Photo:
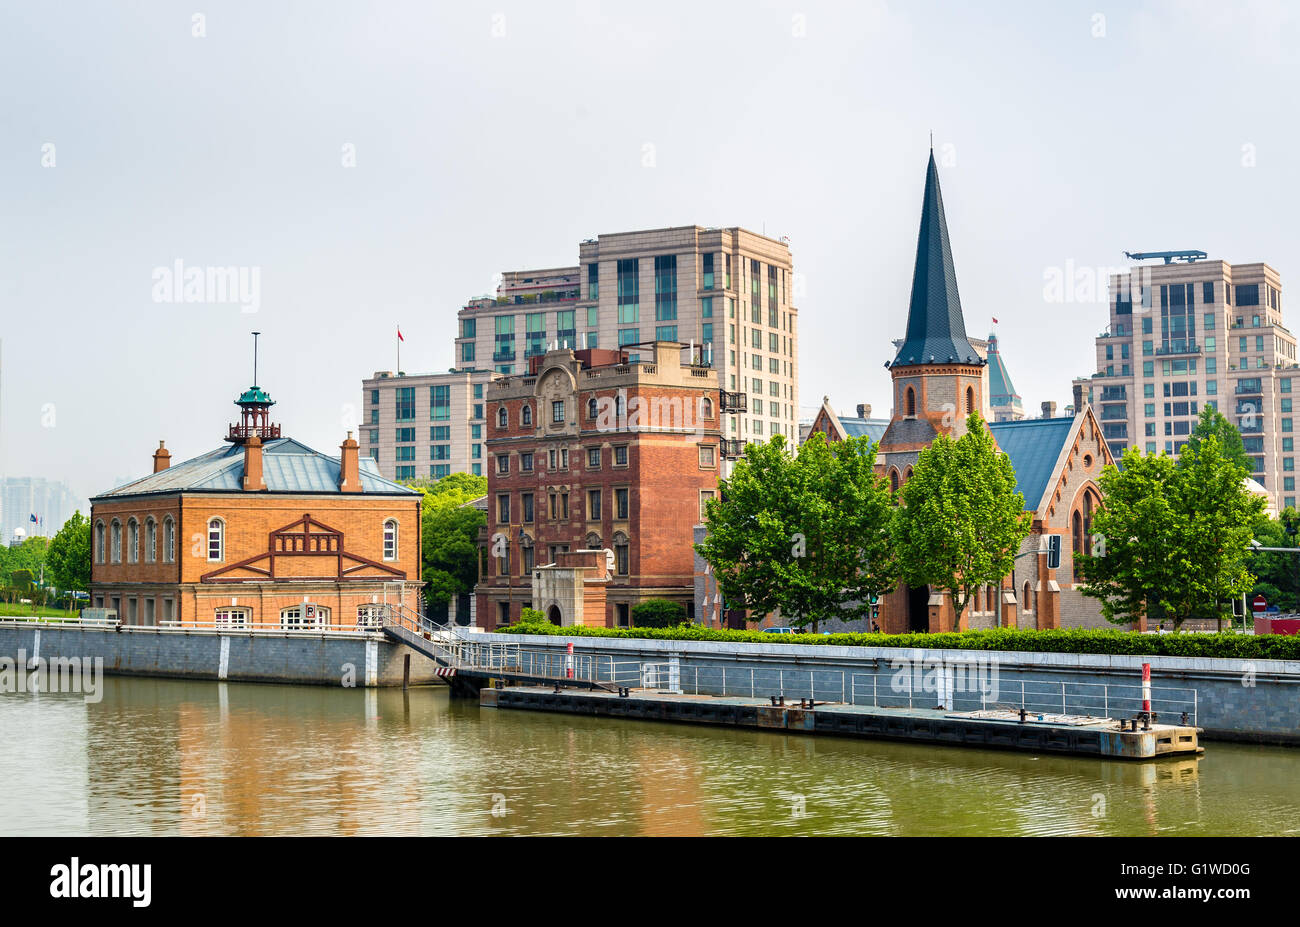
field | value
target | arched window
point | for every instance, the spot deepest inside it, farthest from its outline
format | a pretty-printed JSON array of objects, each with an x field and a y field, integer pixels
[
  {"x": 592, "y": 407},
  {"x": 304, "y": 617},
  {"x": 99, "y": 542},
  {"x": 977, "y": 601},
  {"x": 117, "y": 541},
  {"x": 370, "y": 616},
  {"x": 618, "y": 407},
  {"x": 1087, "y": 523},
  {"x": 706, "y": 408},
  {"x": 526, "y": 415},
  {"x": 593, "y": 542},
  {"x": 132, "y": 541},
  {"x": 893, "y": 480},
  {"x": 216, "y": 540},
  {"x": 228, "y": 617},
  {"x": 503, "y": 417},
  {"x": 970, "y": 400},
  {"x": 907, "y": 474},
  {"x": 1076, "y": 534},
  {"x": 169, "y": 540},
  {"x": 150, "y": 540},
  {"x": 1026, "y": 602},
  {"x": 910, "y": 401},
  {"x": 390, "y": 539}
]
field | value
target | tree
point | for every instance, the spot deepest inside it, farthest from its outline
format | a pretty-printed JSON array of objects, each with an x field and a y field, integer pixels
[
  {"x": 1213, "y": 422},
  {"x": 806, "y": 535},
  {"x": 961, "y": 520},
  {"x": 68, "y": 556},
  {"x": 449, "y": 535},
  {"x": 1276, "y": 576},
  {"x": 658, "y": 613},
  {"x": 1175, "y": 537}
]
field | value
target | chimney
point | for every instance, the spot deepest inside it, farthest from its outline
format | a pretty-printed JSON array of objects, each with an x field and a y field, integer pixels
[
  {"x": 1049, "y": 410},
  {"x": 349, "y": 466},
  {"x": 1078, "y": 397},
  {"x": 864, "y": 410},
  {"x": 162, "y": 458},
  {"x": 253, "y": 481}
]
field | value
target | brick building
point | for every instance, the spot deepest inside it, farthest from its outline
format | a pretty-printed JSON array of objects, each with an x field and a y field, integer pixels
[
  {"x": 592, "y": 452},
  {"x": 263, "y": 531},
  {"x": 939, "y": 377}
]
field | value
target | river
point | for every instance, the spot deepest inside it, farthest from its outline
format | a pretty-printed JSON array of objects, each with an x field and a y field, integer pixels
[{"x": 165, "y": 757}]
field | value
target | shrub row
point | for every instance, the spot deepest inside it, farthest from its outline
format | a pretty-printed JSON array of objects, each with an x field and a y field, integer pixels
[{"x": 1240, "y": 646}]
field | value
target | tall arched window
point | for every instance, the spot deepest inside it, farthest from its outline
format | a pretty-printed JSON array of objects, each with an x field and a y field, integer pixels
[
  {"x": 99, "y": 542},
  {"x": 907, "y": 474},
  {"x": 1076, "y": 534},
  {"x": 618, "y": 407},
  {"x": 526, "y": 415},
  {"x": 117, "y": 541},
  {"x": 970, "y": 400},
  {"x": 150, "y": 540},
  {"x": 706, "y": 408},
  {"x": 390, "y": 538},
  {"x": 169, "y": 540},
  {"x": 503, "y": 418},
  {"x": 910, "y": 401},
  {"x": 893, "y": 480},
  {"x": 132, "y": 541},
  {"x": 216, "y": 540},
  {"x": 1087, "y": 523},
  {"x": 592, "y": 407},
  {"x": 1026, "y": 602}
]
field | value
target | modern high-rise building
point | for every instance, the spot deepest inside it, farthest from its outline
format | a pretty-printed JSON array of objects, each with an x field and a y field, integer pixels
[
  {"x": 21, "y": 497},
  {"x": 1190, "y": 333},
  {"x": 729, "y": 293},
  {"x": 426, "y": 426}
]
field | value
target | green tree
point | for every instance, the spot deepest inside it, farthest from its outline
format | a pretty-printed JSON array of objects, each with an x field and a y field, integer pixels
[
  {"x": 1213, "y": 422},
  {"x": 658, "y": 613},
  {"x": 961, "y": 520},
  {"x": 805, "y": 534},
  {"x": 1277, "y": 575},
  {"x": 1174, "y": 537},
  {"x": 68, "y": 556},
  {"x": 449, "y": 535}
]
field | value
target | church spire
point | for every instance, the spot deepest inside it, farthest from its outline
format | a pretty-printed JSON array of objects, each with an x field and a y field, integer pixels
[{"x": 936, "y": 331}]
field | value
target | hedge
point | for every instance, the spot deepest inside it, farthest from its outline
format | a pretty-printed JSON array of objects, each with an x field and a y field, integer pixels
[{"x": 1174, "y": 644}]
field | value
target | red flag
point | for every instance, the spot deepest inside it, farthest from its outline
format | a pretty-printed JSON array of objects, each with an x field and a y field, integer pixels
[
  {"x": 399, "y": 334},
  {"x": 995, "y": 321}
]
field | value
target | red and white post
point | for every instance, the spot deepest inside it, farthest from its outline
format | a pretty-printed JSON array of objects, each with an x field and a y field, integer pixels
[
  {"x": 1146, "y": 688},
  {"x": 568, "y": 661}
]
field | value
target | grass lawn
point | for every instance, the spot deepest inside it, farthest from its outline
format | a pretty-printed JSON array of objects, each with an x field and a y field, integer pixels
[{"x": 27, "y": 611}]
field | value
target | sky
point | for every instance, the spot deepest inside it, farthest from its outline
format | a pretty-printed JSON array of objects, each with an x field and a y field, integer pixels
[{"x": 374, "y": 164}]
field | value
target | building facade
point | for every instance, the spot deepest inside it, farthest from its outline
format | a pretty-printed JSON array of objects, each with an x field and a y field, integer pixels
[
  {"x": 729, "y": 292},
  {"x": 21, "y": 497},
  {"x": 1003, "y": 398},
  {"x": 592, "y": 453},
  {"x": 264, "y": 531},
  {"x": 1190, "y": 334},
  {"x": 426, "y": 426}
]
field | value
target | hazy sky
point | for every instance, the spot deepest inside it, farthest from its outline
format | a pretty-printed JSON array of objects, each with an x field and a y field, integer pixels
[{"x": 496, "y": 136}]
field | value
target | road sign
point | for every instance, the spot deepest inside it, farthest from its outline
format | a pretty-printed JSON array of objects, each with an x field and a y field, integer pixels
[{"x": 1258, "y": 605}]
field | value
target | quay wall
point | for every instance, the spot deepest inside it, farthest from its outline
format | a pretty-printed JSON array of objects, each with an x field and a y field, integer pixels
[
  {"x": 1242, "y": 700},
  {"x": 310, "y": 659}
]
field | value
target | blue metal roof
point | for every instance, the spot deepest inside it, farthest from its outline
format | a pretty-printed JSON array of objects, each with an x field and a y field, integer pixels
[
  {"x": 287, "y": 466},
  {"x": 1034, "y": 445},
  {"x": 873, "y": 428}
]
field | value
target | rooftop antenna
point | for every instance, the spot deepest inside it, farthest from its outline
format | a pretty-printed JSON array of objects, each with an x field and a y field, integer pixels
[{"x": 255, "y": 334}]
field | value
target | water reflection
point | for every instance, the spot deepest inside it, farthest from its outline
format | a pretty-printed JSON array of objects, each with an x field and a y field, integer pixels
[{"x": 171, "y": 757}]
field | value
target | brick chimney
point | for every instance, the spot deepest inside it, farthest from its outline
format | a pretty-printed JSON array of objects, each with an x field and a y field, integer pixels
[
  {"x": 1049, "y": 410},
  {"x": 349, "y": 466},
  {"x": 253, "y": 479},
  {"x": 162, "y": 458},
  {"x": 864, "y": 410},
  {"x": 1078, "y": 398}
]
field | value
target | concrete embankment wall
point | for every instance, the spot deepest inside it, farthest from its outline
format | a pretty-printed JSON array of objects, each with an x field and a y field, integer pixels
[
  {"x": 261, "y": 657},
  {"x": 1244, "y": 700}
]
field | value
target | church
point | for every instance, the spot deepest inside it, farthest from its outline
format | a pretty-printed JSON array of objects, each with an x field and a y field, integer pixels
[{"x": 939, "y": 376}]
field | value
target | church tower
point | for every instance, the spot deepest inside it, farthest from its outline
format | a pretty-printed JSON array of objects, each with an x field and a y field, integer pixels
[{"x": 939, "y": 377}]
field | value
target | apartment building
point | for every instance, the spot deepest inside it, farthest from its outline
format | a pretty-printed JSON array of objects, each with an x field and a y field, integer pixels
[
  {"x": 1186, "y": 334},
  {"x": 425, "y": 426},
  {"x": 592, "y": 452},
  {"x": 727, "y": 293}
]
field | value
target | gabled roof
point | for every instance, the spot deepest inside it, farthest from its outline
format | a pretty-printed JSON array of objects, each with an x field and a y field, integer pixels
[
  {"x": 1034, "y": 446},
  {"x": 1001, "y": 392},
  {"x": 287, "y": 466},
  {"x": 936, "y": 331},
  {"x": 873, "y": 428}
]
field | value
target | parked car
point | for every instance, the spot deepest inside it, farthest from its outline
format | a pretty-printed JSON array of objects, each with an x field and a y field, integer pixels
[{"x": 778, "y": 631}]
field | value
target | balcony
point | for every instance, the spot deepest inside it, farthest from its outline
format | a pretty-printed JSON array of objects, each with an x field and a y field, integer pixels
[
  {"x": 1178, "y": 347},
  {"x": 244, "y": 432},
  {"x": 731, "y": 448},
  {"x": 1114, "y": 394},
  {"x": 1253, "y": 387},
  {"x": 499, "y": 356},
  {"x": 734, "y": 402}
]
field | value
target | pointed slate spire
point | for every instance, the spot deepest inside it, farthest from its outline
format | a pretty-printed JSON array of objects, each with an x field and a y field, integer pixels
[{"x": 936, "y": 331}]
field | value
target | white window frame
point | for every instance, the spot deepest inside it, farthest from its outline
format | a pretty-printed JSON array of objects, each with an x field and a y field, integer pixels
[
  {"x": 390, "y": 541},
  {"x": 228, "y": 616},
  {"x": 115, "y": 541},
  {"x": 220, "y": 536},
  {"x": 101, "y": 541},
  {"x": 132, "y": 540},
  {"x": 151, "y": 540},
  {"x": 169, "y": 540}
]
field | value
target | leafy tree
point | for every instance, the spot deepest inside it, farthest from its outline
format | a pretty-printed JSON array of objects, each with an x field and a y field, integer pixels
[
  {"x": 449, "y": 535},
  {"x": 961, "y": 520},
  {"x": 1175, "y": 536},
  {"x": 658, "y": 613},
  {"x": 806, "y": 535},
  {"x": 1276, "y": 576},
  {"x": 1213, "y": 422},
  {"x": 68, "y": 555}
]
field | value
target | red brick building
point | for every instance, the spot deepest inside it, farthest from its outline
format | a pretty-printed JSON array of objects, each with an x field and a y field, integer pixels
[
  {"x": 264, "y": 531},
  {"x": 588, "y": 452}
]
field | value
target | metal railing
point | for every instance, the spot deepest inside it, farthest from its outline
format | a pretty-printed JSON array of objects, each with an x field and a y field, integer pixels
[{"x": 185, "y": 627}]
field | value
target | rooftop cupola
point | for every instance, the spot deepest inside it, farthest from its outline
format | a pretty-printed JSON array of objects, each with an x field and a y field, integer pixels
[{"x": 255, "y": 411}]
